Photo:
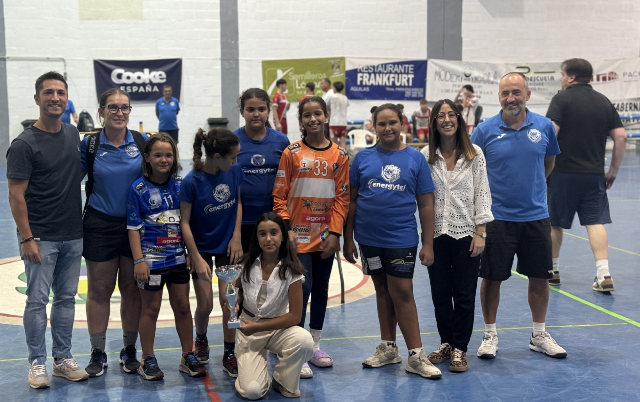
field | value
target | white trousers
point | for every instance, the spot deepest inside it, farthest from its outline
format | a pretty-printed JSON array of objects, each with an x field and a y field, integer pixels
[{"x": 293, "y": 346}]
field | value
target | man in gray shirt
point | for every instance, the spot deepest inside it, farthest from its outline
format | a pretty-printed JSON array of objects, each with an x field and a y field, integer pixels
[{"x": 43, "y": 172}]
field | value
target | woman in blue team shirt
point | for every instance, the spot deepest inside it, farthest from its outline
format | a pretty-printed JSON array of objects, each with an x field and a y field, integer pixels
[
  {"x": 386, "y": 182},
  {"x": 211, "y": 217},
  {"x": 106, "y": 248},
  {"x": 260, "y": 151},
  {"x": 153, "y": 221}
]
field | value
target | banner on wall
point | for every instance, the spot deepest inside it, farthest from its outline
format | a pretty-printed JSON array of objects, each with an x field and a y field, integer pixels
[
  {"x": 445, "y": 78},
  {"x": 141, "y": 79},
  {"x": 617, "y": 79},
  {"x": 385, "y": 79},
  {"x": 299, "y": 72}
]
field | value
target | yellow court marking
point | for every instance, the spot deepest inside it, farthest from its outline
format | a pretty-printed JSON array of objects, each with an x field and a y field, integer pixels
[
  {"x": 364, "y": 337},
  {"x": 611, "y": 247}
]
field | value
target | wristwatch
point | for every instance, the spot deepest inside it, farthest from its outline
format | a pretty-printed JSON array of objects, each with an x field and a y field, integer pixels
[{"x": 481, "y": 234}]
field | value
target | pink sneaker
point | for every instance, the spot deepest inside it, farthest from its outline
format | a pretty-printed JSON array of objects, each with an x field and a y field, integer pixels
[{"x": 321, "y": 359}]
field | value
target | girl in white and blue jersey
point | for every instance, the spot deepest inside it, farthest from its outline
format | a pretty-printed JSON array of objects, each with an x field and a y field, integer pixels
[{"x": 153, "y": 223}]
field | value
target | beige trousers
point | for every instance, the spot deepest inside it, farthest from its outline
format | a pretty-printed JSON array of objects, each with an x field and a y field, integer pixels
[{"x": 293, "y": 346}]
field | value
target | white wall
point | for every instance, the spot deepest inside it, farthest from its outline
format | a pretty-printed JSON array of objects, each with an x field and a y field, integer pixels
[
  {"x": 169, "y": 29},
  {"x": 304, "y": 29}
]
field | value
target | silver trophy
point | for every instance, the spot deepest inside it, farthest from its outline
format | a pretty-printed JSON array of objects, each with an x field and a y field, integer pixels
[{"x": 229, "y": 274}]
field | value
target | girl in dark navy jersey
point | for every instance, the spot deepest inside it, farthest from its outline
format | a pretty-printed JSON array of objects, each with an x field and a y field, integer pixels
[
  {"x": 153, "y": 221},
  {"x": 260, "y": 151}
]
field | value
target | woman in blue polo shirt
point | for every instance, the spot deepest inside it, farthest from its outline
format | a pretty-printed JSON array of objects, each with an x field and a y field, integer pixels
[
  {"x": 260, "y": 151},
  {"x": 106, "y": 250}
]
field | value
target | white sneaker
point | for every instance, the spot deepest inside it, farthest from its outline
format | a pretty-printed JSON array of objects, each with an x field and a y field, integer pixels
[
  {"x": 544, "y": 343},
  {"x": 604, "y": 285},
  {"x": 384, "y": 355},
  {"x": 38, "y": 377},
  {"x": 489, "y": 346},
  {"x": 69, "y": 369},
  {"x": 420, "y": 364}
]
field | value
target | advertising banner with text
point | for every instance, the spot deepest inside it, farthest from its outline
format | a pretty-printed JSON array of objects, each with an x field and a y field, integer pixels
[
  {"x": 299, "y": 72},
  {"x": 386, "y": 79},
  {"x": 141, "y": 79}
]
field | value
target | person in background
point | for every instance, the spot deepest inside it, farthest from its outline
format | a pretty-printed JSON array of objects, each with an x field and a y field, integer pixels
[
  {"x": 420, "y": 119},
  {"x": 280, "y": 106},
  {"x": 406, "y": 126},
  {"x": 167, "y": 109},
  {"x": 469, "y": 106},
  {"x": 70, "y": 111},
  {"x": 338, "y": 103},
  {"x": 309, "y": 90}
]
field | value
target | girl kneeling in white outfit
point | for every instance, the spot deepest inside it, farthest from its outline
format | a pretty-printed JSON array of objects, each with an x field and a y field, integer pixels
[{"x": 271, "y": 294}]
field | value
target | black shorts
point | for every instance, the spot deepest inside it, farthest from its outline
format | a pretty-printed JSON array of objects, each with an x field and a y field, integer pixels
[
  {"x": 530, "y": 241},
  {"x": 398, "y": 262},
  {"x": 586, "y": 194},
  {"x": 178, "y": 274},
  {"x": 105, "y": 237},
  {"x": 246, "y": 234},
  {"x": 221, "y": 259}
]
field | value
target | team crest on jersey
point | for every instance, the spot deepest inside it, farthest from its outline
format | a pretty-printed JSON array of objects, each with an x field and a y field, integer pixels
[
  {"x": 390, "y": 173},
  {"x": 258, "y": 160},
  {"x": 305, "y": 165},
  {"x": 534, "y": 135},
  {"x": 155, "y": 200},
  {"x": 221, "y": 193},
  {"x": 132, "y": 150}
]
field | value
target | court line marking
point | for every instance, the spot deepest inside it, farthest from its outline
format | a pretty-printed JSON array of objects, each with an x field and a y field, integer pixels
[
  {"x": 366, "y": 336},
  {"x": 611, "y": 247},
  {"x": 588, "y": 303}
]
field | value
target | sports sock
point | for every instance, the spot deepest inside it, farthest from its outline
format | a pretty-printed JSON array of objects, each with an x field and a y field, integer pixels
[
  {"x": 538, "y": 328},
  {"x": 98, "y": 341},
  {"x": 201, "y": 338},
  {"x": 389, "y": 344},
  {"x": 229, "y": 349},
  {"x": 315, "y": 334},
  {"x": 491, "y": 328},
  {"x": 556, "y": 263},
  {"x": 602, "y": 267},
  {"x": 129, "y": 338},
  {"x": 414, "y": 351}
]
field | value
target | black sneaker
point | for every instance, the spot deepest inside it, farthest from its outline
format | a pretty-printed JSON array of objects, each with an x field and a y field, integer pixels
[
  {"x": 190, "y": 365},
  {"x": 149, "y": 369},
  {"x": 230, "y": 365},
  {"x": 97, "y": 363},
  {"x": 128, "y": 359},
  {"x": 202, "y": 351}
]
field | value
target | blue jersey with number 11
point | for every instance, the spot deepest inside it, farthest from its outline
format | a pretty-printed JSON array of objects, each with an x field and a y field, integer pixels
[{"x": 155, "y": 211}]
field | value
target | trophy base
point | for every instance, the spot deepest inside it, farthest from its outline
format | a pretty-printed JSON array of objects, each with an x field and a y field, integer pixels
[{"x": 233, "y": 324}]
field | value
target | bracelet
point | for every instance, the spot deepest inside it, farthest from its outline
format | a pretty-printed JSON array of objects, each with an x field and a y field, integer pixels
[
  {"x": 26, "y": 239},
  {"x": 136, "y": 262}
]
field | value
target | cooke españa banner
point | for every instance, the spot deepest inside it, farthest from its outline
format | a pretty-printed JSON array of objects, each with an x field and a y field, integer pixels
[
  {"x": 299, "y": 72},
  {"x": 386, "y": 79},
  {"x": 142, "y": 79}
]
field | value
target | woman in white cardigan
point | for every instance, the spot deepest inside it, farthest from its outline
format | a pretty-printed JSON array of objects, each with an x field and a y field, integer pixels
[
  {"x": 462, "y": 208},
  {"x": 271, "y": 295}
]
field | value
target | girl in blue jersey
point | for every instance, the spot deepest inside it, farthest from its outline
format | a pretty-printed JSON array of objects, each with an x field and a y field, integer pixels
[
  {"x": 153, "y": 221},
  {"x": 211, "y": 217},
  {"x": 392, "y": 174},
  {"x": 260, "y": 151}
]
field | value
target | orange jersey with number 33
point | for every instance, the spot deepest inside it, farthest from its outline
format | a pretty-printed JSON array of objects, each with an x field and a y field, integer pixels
[{"x": 312, "y": 191}]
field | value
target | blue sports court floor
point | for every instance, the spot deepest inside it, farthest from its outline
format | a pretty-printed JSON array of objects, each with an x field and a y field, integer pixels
[{"x": 599, "y": 331}]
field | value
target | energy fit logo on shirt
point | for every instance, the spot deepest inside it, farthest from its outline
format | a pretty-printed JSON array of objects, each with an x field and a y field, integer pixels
[
  {"x": 390, "y": 173},
  {"x": 258, "y": 160}
]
